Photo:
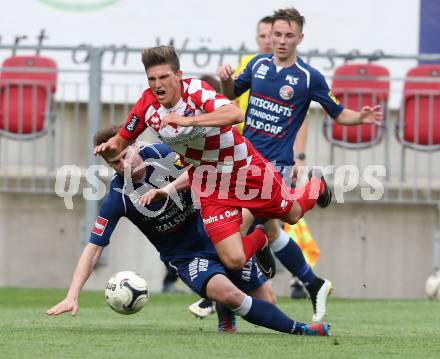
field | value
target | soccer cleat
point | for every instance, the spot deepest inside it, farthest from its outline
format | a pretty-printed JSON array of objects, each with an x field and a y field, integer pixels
[
  {"x": 318, "y": 329},
  {"x": 226, "y": 319},
  {"x": 319, "y": 301},
  {"x": 324, "y": 198},
  {"x": 264, "y": 257},
  {"x": 202, "y": 308},
  {"x": 227, "y": 330}
]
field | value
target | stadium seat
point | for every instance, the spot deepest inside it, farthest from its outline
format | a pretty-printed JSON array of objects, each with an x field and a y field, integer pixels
[
  {"x": 419, "y": 122},
  {"x": 418, "y": 126},
  {"x": 27, "y": 88},
  {"x": 355, "y": 86}
]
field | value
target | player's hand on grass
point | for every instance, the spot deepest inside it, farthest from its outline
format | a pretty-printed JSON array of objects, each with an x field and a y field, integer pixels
[
  {"x": 371, "y": 115},
  {"x": 65, "y": 306},
  {"x": 225, "y": 72},
  {"x": 153, "y": 195}
]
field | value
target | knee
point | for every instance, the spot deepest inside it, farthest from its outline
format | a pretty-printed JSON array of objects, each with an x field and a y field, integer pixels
[
  {"x": 232, "y": 298},
  {"x": 294, "y": 215},
  {"x": 293, "y": 219},
  {"x": 272, "y": 234},
  {"x": 235, "y": 261}
]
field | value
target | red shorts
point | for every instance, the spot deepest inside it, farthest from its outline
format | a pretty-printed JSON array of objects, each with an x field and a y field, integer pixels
[{"x": 259, "y": 188}]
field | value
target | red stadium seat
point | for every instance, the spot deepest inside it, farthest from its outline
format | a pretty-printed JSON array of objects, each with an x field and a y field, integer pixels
[
  {"x": 27, "y": 87},
  {"x": 418, "y": 126},
  {"x": 355, "y": 86},
  {"x": 419, "y": 123}
]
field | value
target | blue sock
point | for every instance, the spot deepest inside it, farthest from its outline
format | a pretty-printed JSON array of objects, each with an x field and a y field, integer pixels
[
  {"x": 267, "y": 315},
  {"x": 291, "y": 256}
]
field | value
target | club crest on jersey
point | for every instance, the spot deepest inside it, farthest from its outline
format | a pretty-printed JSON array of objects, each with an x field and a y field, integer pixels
[
  {"x": 286, "y": 92},
  {"x": 189, "y": 111},
  {"x": 99, "y": 226},
  {"x": 292, "y": 80}
]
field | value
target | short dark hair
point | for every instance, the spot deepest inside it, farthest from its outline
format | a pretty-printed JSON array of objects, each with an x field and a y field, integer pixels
[
  {"x": 105, "y": 134},
  {"x": 160, "y": 55},
  {"x": 289, "y": 14},
  {"x": 265, "y": 20},
  {"x": 212, "y": 81}
]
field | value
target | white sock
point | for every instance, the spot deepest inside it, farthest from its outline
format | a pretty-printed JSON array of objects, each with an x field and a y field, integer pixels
[
  {"x": 245, "y": 307},
  {"x": 279, "y": 243}
]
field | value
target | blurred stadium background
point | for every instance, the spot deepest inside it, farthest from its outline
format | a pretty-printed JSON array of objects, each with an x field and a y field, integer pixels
[{"x": 384, "y": 248}]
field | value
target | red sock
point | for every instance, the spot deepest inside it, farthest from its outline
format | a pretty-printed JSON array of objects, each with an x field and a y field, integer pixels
[
  {"x": 253, "y": 242},
  {"x": 307, "y": 195}
]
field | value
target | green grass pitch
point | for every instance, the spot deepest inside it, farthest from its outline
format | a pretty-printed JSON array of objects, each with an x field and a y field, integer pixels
[{"x": 165, "y": 329}]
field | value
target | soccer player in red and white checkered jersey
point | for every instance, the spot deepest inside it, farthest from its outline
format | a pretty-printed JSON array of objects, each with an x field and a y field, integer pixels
[{"x": 225, "y": 170}]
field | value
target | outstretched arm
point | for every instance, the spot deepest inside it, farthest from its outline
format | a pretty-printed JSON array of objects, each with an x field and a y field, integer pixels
[
  {"x": 226, "y": 115},
  {"x": 84, "y": 268},
  {"x": 367, "y": 115},
  {"x": 112, "y": 147}
]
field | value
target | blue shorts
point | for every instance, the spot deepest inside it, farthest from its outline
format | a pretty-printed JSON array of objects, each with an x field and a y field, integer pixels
[{"x": 196, "y": 272}]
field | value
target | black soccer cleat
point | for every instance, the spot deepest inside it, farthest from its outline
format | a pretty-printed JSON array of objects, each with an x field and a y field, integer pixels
[
  {"x": 265, "y": 259},
  {"x": 325, "y": 198},
  {"x": 319, "y": 291}
]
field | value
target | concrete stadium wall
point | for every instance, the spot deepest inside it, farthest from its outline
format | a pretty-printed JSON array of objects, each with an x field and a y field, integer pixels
[
  {"x": 40, "y": 242},
  {"x": 373, "y": 250},
  {"x": 367, "y": 250}
]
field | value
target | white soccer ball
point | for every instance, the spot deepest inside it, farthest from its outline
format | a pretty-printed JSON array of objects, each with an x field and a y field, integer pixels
[
  {"x": 432, "y": 286},
  {"x": 126, "y": 292}
]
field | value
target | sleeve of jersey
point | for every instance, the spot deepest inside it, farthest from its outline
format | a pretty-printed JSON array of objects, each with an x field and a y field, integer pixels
[
  {"x": 321, "y": 93},
  {"x": 243, "y": 81},
  {"x": 111, "y": 211},
  {"x": 205, "y": 97},
  {"x": 241, "y": 66},
  {"x": 134, "y": 125}
]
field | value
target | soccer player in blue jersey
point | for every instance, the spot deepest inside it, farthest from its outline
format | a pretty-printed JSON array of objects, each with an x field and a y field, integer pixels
[
  {"x": 178, "y": 234},
  {"x": 281, "y": 89}
]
